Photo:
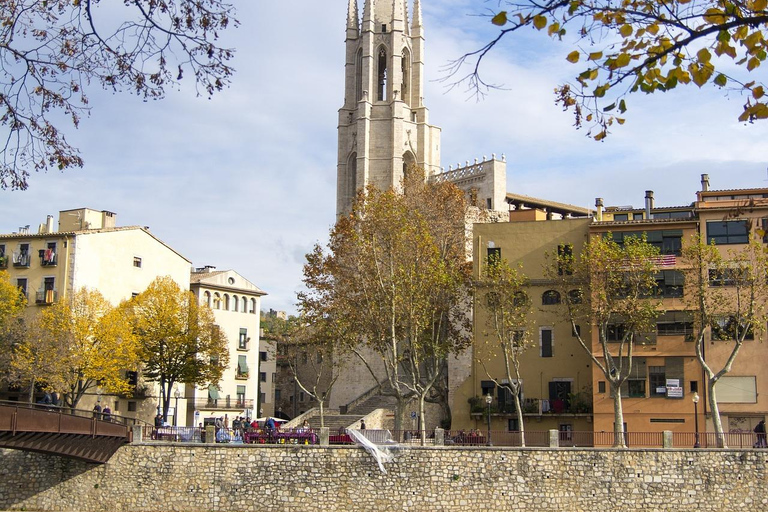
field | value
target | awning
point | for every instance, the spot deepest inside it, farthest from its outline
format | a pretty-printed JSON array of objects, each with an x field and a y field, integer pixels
[
  {"x": 242, "y": 366},
  {"x": 213, "y": 392}
]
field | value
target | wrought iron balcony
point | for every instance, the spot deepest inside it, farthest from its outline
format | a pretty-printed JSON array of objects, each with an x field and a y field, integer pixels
[
  {"x": 21, "y": 259},
  {"x": 225, "y": 403},
  {"x": 46, "y": 296}
]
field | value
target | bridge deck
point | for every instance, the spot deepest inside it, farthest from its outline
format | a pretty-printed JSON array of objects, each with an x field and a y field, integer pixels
[{"x": 61, "y": 431}]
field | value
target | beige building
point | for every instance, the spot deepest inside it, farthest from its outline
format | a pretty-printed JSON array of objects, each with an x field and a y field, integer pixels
[
  {"x": 89, "y": 250},
  {"x": 246, "y": 386},
  {"x": 556, "y": 373}
]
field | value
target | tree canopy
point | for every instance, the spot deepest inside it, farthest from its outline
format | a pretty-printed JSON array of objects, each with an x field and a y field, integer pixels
[
  {"x": 393, "y": 286},
  {"x": 628, "y": 46},
  {"x": 52, "y": 51},
  {"x": 178, "y": 338}
]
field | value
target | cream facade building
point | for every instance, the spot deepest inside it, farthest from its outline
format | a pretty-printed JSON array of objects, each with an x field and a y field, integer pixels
[
  {"x": 89, "y": 250},
  {"x": 246, "y": 386}
]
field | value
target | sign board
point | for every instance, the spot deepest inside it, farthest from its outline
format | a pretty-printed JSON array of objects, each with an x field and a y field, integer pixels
[
  {"x": 674, "y": 392},
  {"x": 413, "y": 415}
]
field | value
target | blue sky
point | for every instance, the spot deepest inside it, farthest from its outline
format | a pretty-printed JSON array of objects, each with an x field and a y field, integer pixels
[{"x": 247, "y": 180}]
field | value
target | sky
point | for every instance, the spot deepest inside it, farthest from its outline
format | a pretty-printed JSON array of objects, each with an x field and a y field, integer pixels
[{"x": 246, "y": 180}]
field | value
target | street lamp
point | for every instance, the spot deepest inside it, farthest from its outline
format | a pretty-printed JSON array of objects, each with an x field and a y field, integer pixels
[
  {"x": 696, "y": 418},
  {"x": 488, "y": 400},
  {"x": 176, "y": 395}
]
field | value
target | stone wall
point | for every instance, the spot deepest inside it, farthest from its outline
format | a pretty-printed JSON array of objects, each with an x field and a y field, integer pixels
[{"x": 244, "y": 478}]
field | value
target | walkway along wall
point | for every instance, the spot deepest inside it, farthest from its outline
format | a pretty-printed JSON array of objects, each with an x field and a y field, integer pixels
[{"x": 244, "y": 478}]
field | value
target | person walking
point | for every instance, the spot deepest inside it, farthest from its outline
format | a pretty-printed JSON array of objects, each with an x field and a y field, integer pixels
[{"x": 760, "y": 431}]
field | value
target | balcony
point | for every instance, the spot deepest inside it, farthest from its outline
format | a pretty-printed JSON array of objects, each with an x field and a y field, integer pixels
[
  {"x": 21, "y": 259},
  {"x": 46, "y": 297},
  {"x": 48, "y": 258},
  {"x": 3, "y": 261},
  {"x": 222, "y": 404},
  {"x": 241, "y": 375}
]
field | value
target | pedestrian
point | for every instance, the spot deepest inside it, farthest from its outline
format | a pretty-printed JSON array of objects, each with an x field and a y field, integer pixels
[
  {"x": 760, "y": 431},
  {"x": 362, "y": 424},
  {"x": 158, "y": 420},
  {"x": 97, "y": 411},
  {"x": 106, "y": 413}
]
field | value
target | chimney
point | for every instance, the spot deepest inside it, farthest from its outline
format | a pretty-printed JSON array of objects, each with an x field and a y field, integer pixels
[
  {"x": 49, "y": 224},
  {"x": 599, "y": 206},
  {"x": 704, "y": 182},
  {"x": 648, "y": 203}
]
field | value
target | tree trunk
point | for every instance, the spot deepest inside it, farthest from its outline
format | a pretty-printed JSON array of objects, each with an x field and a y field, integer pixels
[
  {"x": 322, "y": 414},
  {"x": 519, "y": 411},
  {"x": 716, "y": 422},
  {"x": 423, "y": 430},
  {"x": 618, "y": 418}
]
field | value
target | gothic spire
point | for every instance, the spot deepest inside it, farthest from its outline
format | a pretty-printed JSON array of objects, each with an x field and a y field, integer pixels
[
  {"x": 398, "y": 10},
  {"x": 416, "y": 23},
  {"x": 368, "y": 10},
  {"x": 353, "y": 18}
]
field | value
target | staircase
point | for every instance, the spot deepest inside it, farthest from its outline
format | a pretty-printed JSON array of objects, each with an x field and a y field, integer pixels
[
  {"x": 334, "y": 422},
  {"x": 373, "y": 403}
]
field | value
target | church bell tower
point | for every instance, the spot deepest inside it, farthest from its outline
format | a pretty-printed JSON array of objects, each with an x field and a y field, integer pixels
[{"x": 383, "y": 124}]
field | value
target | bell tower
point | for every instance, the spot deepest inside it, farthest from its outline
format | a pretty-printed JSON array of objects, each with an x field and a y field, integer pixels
[{"x": 383, "y": 124}]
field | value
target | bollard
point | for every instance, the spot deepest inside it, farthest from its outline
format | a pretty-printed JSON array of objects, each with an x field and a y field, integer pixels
[
  {"x": 210, "y": 434},
  {"x": 667, "y": 439},
  {"x": 554, "y": 438},
  {"x": 325, "y": 436},
  {"x": 439, "y": 436},
  {"x": 138, "y": 432}
]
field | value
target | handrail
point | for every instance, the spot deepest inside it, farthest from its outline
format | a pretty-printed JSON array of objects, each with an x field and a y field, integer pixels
[{"x": 82, "y": 413}]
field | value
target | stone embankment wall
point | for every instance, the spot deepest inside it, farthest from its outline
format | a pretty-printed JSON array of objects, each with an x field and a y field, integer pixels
[{"x": 296, "y": 478}]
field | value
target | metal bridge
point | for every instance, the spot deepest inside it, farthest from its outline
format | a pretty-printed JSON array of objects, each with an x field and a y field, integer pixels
[{"x": 62, "y": 431}]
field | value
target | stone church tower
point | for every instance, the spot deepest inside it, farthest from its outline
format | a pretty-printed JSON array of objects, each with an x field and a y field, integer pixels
[{"x": 383, "y": 125}]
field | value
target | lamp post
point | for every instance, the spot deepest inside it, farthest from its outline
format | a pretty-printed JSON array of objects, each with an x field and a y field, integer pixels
[
  {"x": 488, "y": 400},
  {"x": 696, "y": 419},
  {"x": 176, "y": 395}
]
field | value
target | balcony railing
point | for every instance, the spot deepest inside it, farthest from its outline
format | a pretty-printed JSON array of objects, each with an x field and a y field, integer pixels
[
  {"x": 46, "y": 296},
  {"x": 241, "y": 375},
  {"x": 48, "y": 258},
  {"x": 21, "y": 259},
  {"x": 223, "y": 403}
]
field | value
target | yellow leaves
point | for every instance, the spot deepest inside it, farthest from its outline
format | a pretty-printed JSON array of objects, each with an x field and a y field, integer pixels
[
  {"x": 704, "y": 56},
  {"x": 721, "y": 80},
  {"x": 714, "y": 16},
  {"x": 758, "y": 5},
  {"x": 653, "y": 28},
  {"x": 553, "y": 29},
  {"x": 754, "y": 112},
  {"x": 539, "y": 21},
  {"x": 625, "y": 31},
  {"x": 758, "y": 92},
  {"x": 573, "y": 57},
  {"x": 595, "y": 56},
  {"x": 622, "y": 60},
  {"x": 753, "y": 63},
  {"x": 500, "y": 19},
  {"x": 600, "y": 136},
  {"x": 701, "y": 74}
]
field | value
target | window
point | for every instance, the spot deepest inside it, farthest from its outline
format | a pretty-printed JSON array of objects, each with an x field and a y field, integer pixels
[
  {"x": 728, "y": 276},
  {"x": 216, "y": 301},
  {"x": 263, "y": 398},
  {"x": 634, "y": 386},
  {"x": 727, "y": 232},
  {"x": 21, "y": 256},
  {"x": 575, "y": 296},
  {"x": 253, "y": 306},
  {"x": 263, "y": 376},
  {"x": 518, "y": 338},
  {"x": 565, "y": 259},
  {"x": 615, "y": 332},
  {"x": 242, "y": 340},
  {"x": 301, "y": 396},
  {"x": 207, "y": 298},
  {"x": 242, "y": 366},
  {"x": 560, "y": 395},
  {"x": 382, "y": 73},
  {"x": 670, "y": 283},
  {"x": 132, "y": 378},
  {"x": 21, "y": 284},
  {"x": 488, "y": 386},
  {"x": 277, "y": 395},
  {"x": 520, "y": 300},
  {"x": 48, "y": 255},
  {"x": 546, "y": 342},
  {"x": 131, "y": 406},
  {"x": 359, "y": 76},
  {"x": 262, "y": 356},
  {"x": 319, "y": 358},
  {"x": 235, "y": 304},
  {"x": 405, "y": 64},
  {"x": 506, "y": 402},
  {"x": 726, "y": 328},
  {"x": 240, "y": 395},
  {"x": 694, "y": 386},
  {"x": 601, "y": 386},
  {"x": 620, "y": 216},
  {"x": 667, "y": 241},
  {"x": 3, "y": 259},
  {"x": 47, "y": 295},
  {"x": 137, "y": 262},
  {"x": 550, "y": 298},
  {"x": 675, "y": 323},
  {"x": 494, "y": 255},
  {"x": 637, "y": 216},
  {"x": 657, "y": 380},
  {"x": 226, "y": 302}
]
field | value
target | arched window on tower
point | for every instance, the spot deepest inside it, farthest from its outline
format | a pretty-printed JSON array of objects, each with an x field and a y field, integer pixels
[
  {"x": 351, "y": 190},
  {"x": 406, "y": 68},
  {"x": 382, "y": 74},
  {"x": 234, "y": 303},
  {"x": 226, "y": 302},
  {"x": 408, "y": 161},
  {"x": 359, "y": 75}
]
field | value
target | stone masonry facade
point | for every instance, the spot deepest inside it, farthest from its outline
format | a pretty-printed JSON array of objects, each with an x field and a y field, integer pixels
[{"x": 244, "y": 478}]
